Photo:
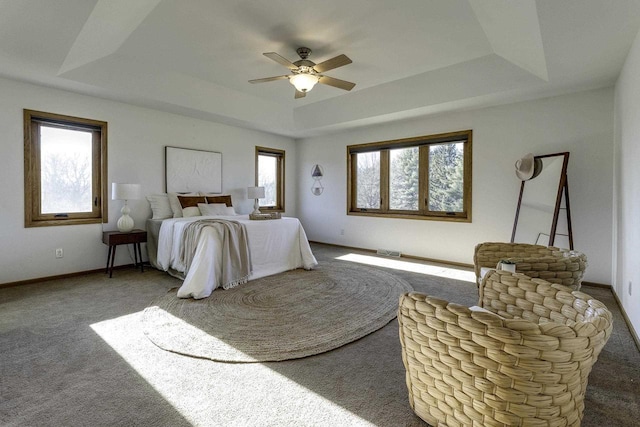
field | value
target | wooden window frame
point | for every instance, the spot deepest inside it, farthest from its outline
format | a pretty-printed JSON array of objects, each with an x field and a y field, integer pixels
[
  {"x": 32, "y": 172},
  {"x": 280, "y": 174},
  {"x": 423, "y": 142}
]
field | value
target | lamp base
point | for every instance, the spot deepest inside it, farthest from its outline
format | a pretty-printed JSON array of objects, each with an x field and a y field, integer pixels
[
  {"x": 125, "y": 222},
  {"x": 256, "y": 207}
]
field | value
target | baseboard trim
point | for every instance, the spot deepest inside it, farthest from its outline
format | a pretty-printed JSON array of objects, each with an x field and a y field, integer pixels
[
  {"x": 419, "y": 258},
  {"x": 634, "y": 335},
  {"x": 597, "y": 285},
  {"x": 61, "y": 276},
  {"x": 436, "y": 261},
  {"x": 636, "y": 339}
]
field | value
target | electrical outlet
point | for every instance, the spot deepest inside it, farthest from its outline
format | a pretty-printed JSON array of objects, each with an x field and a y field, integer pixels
[
  {"x": 630, "y": 286},
  {"x": 342, "y": 231},
  {"x": 59, "y": 253}
]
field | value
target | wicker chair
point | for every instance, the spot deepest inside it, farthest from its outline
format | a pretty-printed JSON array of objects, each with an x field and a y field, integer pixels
[
  {"x": 530, "y": 368},
  {"x": 555, "y": 265}
]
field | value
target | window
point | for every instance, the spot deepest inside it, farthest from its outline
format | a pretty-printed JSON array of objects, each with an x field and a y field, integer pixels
[
  {"x": 270, "y": 175},
  {"x": 427, "y": 177},
  {"x": 65, "y": 170}
]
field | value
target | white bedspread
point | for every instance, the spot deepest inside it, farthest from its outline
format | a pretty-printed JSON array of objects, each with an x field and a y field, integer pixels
[{"x": 275, "y": 246}]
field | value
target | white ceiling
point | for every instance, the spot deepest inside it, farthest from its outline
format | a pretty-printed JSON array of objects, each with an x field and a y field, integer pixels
[{"x": 410, "y": 57}]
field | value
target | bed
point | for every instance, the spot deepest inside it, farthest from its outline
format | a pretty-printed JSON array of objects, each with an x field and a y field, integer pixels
[{"x": 275, "y": 246}]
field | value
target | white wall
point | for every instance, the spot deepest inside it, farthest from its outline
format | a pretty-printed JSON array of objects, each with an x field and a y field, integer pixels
[
  {"x": 136, "y": 140},
  {"x": 580, "y": 123},
  {"x": 626, "y": 268}
]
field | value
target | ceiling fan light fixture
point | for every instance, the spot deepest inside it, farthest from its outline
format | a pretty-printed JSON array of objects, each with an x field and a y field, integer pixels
[
  {"x": 304, "y": 82},
  {"x": 305, "y": 74}
]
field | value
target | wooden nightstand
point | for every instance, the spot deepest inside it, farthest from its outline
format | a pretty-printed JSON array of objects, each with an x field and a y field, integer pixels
[{"x": 115, "y": 238}]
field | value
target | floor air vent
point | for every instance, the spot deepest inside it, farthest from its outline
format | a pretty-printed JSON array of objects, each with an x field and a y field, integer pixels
[{"x": 388, "y": 252}]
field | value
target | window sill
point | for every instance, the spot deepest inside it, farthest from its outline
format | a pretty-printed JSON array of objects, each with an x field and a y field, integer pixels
[
  {"x": 58, "y": 222},
  {"x": 446, "y": 218}
]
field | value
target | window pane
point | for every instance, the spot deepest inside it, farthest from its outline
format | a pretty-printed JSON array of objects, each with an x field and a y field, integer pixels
[
  {"x": 446, "y": 173},
  {"x": 267, "y": 178},
  {"x": 368, "y": 185},
  {"x": 404, "y": 178},
  {"x": 65, "y": 170}
]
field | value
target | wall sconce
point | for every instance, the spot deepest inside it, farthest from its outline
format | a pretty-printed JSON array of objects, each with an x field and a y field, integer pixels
[{"x": 317, "y": 173}]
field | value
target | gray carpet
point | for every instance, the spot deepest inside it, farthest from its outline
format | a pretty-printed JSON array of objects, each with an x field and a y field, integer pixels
[
  {"x": 72, "y": 353},
  {"x": 286, "y": 316}
]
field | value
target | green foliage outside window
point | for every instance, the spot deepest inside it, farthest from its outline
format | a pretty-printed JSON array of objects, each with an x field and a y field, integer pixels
[
  {"x": 446, "y": 167},
  {"x": 405, "y": 179},
  {"x": 424, "y": 177},
  {"x": 369, "y": 180}
]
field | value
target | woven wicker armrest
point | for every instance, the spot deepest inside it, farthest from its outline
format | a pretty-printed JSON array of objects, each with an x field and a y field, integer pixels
[
  {"x": 472, "y": 368},
  {"x": 561, "y": 266},
  {"x": 518, "y": 296}
]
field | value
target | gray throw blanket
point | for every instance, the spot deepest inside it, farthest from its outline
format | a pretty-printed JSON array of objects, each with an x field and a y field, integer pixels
[{"x": 236, "y": 259}]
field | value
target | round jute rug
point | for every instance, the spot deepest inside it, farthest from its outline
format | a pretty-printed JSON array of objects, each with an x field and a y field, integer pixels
[{"x": 287, "y": 316}]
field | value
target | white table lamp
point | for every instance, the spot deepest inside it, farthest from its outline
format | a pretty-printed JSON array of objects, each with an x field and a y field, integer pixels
[
  {"x": 125, "y": 192},
  {"x": 255, "y": 193}
]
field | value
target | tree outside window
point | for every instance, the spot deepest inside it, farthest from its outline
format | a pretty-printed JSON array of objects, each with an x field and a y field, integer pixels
[
  {"x": 369, "y": 180},
  {"x": 446, "y": 177},
  {"x": 65, "y": 170},
  {"x": 404, "y": 179},
  {"x": 270, "y": 175},
  {"x": 268, "y": 178},
  {"x": 427, "y": 177},
  {"x": 65, "y": 164}
]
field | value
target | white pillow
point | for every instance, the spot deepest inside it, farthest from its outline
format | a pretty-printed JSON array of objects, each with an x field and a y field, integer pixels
[
  {"x": 229, "y": 211},
  {"x": 213, "y": 209},
  {"x": 160, "y": 206},
  {"x": 176, "y": 207},
  {"x": 191, "y": 211}
]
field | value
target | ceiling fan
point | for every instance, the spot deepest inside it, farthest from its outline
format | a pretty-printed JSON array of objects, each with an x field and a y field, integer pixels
[{"x": 305, "y": 73}]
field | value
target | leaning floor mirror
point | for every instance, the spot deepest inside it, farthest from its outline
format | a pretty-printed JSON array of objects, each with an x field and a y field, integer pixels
[{"x": 543, "y": 214}]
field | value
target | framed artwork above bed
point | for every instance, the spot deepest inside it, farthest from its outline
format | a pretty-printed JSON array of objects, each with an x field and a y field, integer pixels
[{"x": 188, "y": 170}]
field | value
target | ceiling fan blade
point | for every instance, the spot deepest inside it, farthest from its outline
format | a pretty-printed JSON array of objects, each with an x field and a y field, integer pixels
[
  {"x": 268, "y": 79},
  {"x": 281, "y": 60},
  {"x": 332, "y": 63},
  {"x": 340, "y": 84},
  {"x": 300, "y": 94}
]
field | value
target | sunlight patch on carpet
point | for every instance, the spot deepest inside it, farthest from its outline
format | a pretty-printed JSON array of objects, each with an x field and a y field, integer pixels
[
  {"x": 183, "y": 333},
  {"x": 413, "y": 267},
  {"x": 212, "y": 393}
]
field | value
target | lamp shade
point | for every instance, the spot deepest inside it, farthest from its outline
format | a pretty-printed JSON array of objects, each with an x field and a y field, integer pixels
[
  {"x": 304, "y": 82},
  {"x": 125, "y": 191},
  {"x": 255, "y": 192}
]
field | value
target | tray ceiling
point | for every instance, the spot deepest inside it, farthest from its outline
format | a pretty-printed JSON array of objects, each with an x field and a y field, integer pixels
[{"x": 410, "y": 58}]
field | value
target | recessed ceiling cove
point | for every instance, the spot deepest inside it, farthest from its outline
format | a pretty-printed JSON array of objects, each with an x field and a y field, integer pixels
[{"x": 409, "y": 58}]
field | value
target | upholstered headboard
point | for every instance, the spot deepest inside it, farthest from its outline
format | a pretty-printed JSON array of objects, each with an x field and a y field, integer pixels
[{"x": 220, "y": 199}]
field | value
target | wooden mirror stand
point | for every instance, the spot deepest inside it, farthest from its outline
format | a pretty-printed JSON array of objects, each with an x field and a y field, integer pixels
[{"x": 539, "y": 207}]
